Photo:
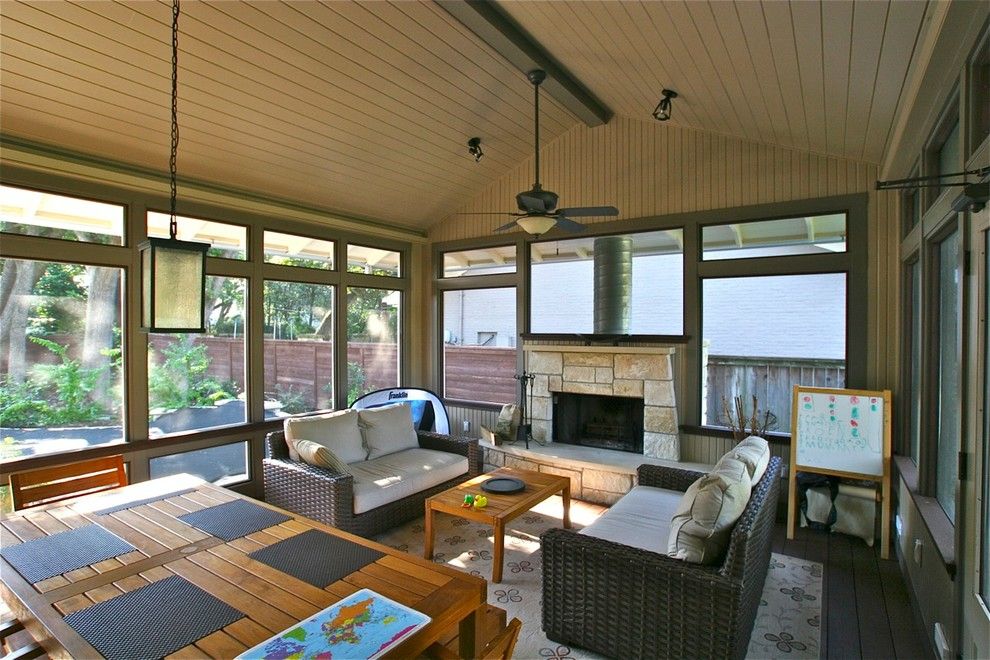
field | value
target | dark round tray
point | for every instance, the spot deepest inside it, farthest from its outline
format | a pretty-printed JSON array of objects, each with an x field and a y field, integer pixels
[{"x": 503, "y": 485}]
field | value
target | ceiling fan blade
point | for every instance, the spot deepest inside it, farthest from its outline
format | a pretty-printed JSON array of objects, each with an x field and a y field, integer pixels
[
  {"x": 588, "y": 211},
  {"x": 569, "y": 225},
  {"x": 507, "y": 227}
]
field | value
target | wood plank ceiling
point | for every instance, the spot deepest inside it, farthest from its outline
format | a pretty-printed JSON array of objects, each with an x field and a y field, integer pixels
[
  {"x": 823, "y": 76},
  {"x": 366, "y": 108}
]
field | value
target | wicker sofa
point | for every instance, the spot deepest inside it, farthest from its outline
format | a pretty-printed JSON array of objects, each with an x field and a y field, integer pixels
[
  {"x": 626, "y": 602},
  {"x": 328, "y": 496}
]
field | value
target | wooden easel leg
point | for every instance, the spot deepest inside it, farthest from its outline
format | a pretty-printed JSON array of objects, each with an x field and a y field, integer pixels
[{"x": 792, "y": 503}]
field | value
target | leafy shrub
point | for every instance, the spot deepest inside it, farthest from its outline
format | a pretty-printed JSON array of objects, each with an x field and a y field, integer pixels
[
  {"x": 356, "y": 381},
  {"x": 73, "y": 386},
  {"x": 180, "y": 379},
  {"x": 292, "y": 401},
  {"x": 54, "y": 394},
  {"x": 21, "y": 405}
]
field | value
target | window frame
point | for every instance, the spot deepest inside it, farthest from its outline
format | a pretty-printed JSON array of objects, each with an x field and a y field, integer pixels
[
  {"x": 443, "y": 284},
  {"x": 854, "y": 262},
  {"x": 264, "y": 213}
]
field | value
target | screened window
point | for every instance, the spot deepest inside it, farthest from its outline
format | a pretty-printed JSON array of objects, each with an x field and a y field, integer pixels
[
  {"x": 949, "y": 391},
  {"x": 373, "y": 261},
  {"x": 196, "y": 381},
  {"x": 479, "y": 345},
  {"x": 226, "y": 241},
  {"x": 299, "y": 251},
  {"x": 649, "y": 270},
  {"x": 61, "y": 358},
  {"x": 298, "y": 347},
  {"x": 949, "y": 160},
  {"x": 483, "y": 261},
  {"x": 223, "y": 465},
  {"x": 35, "y": 213},
  {"x": 772, "y": 238},
  {"x": 979, "y": 96},
  {"x": 798, "y": 339},
  {"x": 372, "y": 340},
  {"x": 915, "y": 364}
]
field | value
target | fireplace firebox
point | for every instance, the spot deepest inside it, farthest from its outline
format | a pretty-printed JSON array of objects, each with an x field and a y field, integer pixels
[{"x": 590, "y": 420}]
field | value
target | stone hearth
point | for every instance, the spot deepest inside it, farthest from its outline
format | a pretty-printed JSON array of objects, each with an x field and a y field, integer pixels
[{"x": 628, "y": 371}]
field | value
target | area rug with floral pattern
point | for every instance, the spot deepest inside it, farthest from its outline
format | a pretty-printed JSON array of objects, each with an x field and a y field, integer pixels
[{"x": 787, "y": 623}]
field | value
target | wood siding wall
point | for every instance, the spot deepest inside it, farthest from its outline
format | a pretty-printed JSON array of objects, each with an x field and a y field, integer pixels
[{"x": 650, "y": 169}]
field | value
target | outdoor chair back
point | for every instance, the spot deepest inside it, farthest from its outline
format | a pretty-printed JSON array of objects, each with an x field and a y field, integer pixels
[{"x": 46, "y": 485}]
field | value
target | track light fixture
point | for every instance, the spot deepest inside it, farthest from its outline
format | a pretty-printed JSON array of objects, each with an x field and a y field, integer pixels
[
  {"x": 474, "y": 148},
  {"x": 662, "y": 111}
]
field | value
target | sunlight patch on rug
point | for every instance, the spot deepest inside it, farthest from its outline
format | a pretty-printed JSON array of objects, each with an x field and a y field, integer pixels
[{"x": 787, "y": 622}]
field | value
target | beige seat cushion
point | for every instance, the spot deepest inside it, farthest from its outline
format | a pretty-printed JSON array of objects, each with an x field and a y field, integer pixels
[
  {"x": 316, "y": 454},
  {"x": 387, "y": 429},
  {"x": 337, "y": 431},
  {"x": 389, "y": 478},
  {"x": 703, "y": 521},
  {"x": 754, "y": 452},
  {"x": 641, "y": 519}
]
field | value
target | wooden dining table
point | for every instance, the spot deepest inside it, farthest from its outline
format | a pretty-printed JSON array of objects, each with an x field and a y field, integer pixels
[{"x": 270, "y": 600}]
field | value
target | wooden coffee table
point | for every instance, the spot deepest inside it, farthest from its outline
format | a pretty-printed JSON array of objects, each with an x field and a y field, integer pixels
[{"x": 501, "y": 508}]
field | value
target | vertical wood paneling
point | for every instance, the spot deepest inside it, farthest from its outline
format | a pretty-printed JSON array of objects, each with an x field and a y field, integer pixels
[{"x": 649, "y": 169}]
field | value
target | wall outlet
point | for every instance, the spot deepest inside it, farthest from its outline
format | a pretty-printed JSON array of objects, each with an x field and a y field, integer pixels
[{"x": 466, "y": 425}]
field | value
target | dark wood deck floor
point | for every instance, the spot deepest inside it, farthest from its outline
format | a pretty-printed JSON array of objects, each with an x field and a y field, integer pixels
[{"x": 865, "y": 608}]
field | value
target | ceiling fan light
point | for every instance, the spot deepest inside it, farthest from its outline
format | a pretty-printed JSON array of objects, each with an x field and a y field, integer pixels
[{"x": 536, "y": 224}]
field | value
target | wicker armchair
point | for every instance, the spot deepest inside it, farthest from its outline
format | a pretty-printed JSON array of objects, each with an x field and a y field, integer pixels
[
  {"x": 625, "y": 602},
  {"x": 328, "y": 496}
]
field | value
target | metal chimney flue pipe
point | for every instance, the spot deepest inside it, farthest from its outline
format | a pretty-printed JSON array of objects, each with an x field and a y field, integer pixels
[{"x": 613, "y": 285}]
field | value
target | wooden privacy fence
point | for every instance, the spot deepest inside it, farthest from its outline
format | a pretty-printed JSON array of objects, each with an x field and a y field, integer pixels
[
  {"x": 770, "y": 379},
  {"x": 303, "y": 367},
  {"x": 480, "y": 373}
]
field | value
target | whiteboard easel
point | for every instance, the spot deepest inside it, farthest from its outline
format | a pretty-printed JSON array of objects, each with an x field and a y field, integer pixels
[{"x": 862, "y": 454}]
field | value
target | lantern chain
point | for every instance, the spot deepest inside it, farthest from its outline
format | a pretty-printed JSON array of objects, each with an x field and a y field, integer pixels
[{"x": 173, "y": 226}]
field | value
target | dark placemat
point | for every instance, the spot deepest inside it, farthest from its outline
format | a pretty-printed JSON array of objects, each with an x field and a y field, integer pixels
[
  {"x": 233, "y": 520},
  {"x": 134, "y": 503},
  {"x": 316, "y": 557},
  {"x": 153, "y": 621},
  {"x": 40, "y": 559}
]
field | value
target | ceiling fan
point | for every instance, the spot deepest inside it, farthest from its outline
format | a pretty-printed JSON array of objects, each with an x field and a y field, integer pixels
[{"x": 538, "y": 212}]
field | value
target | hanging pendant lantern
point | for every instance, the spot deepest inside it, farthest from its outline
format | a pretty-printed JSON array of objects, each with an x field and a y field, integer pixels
[{"x": 173, "y": 272}]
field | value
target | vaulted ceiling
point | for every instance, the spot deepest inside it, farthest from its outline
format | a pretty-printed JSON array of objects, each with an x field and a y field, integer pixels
[{"x": 365, "y": 108}]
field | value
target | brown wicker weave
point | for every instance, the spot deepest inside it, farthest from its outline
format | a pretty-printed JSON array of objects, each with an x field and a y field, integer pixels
[
  {"x": 625, "y": 602},
  {"x": 328, "y": 496}
]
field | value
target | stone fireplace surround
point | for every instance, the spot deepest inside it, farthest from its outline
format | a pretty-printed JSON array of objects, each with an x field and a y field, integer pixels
[
  {"x": 597, "y": 475},
  {"x": 628, "y": 371}
]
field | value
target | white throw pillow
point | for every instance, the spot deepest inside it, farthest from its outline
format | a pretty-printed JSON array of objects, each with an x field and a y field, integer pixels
[
  {"x": 337, "y": 431},
  {"x": 387, "y": 429},
  {"x": 316, "y": 454},
  {"x": 703, "y": 521},
  {"x": 754, "y": 452}
]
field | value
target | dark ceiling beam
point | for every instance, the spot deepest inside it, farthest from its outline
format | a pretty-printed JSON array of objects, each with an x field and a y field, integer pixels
[{"x": 495, "y": 27}]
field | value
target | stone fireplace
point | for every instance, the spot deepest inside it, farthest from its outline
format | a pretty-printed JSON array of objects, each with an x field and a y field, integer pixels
[
  {"x": 592, "y": 420},
  {"x": 639, "y": 372}
]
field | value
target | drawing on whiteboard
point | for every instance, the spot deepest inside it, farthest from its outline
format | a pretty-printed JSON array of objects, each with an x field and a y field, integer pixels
[{"x": 840, "y": 432}]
